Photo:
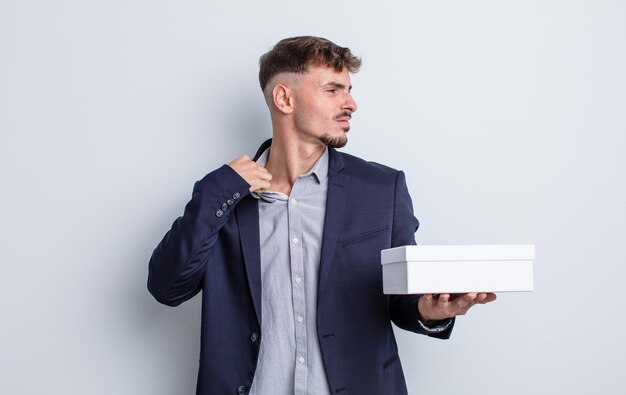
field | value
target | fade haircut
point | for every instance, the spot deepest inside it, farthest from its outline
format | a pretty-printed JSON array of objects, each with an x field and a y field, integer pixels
[{"x": 296, "y": 54}]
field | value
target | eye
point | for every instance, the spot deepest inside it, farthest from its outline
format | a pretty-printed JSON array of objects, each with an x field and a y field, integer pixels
[{"x": 333, "y": 90}]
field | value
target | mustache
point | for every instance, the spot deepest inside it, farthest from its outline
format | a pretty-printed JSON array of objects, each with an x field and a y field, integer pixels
[{"x": 343, "y": 115}]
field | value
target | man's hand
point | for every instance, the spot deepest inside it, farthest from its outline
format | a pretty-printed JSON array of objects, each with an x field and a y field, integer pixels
[
  {"x": 439, "y": 307},
  {"x": 257, "y": 176}
]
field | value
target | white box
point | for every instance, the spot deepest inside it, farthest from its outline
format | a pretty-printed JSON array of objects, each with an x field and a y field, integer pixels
[{"x": 457, "y": 268}]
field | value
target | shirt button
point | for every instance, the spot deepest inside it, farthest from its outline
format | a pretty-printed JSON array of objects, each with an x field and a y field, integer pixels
[
  {"x": 301, "y": 360},
  {"x": 297, "y": 280},
  {"x": 293, "y": 201},
  {"x": 219, "y": 213},
  {"x": 236, "y": 195},
  {"x": 241, "y": 390},
  {"x": 300, "y": 319},
  {"x": 295, "y": 240},
  {"x": 254, "y": 337},
  {"x": 224, "y": 206}
]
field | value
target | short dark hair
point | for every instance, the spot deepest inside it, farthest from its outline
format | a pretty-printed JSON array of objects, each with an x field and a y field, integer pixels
[{"x": 296, "y": 54}]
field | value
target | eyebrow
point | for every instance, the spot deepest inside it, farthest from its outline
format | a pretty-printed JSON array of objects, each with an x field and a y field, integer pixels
[{"x": 337, "y": 85}]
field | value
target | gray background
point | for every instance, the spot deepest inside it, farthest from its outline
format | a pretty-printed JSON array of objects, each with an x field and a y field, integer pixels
[{"x": 507, "y": 116}]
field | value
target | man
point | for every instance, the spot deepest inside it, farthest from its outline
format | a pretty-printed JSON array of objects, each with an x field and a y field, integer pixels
[{"x": 286, "y": 248}]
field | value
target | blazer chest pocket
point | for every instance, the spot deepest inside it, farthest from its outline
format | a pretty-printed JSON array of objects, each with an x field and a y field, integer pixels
[{"x": 365, "y": 235}]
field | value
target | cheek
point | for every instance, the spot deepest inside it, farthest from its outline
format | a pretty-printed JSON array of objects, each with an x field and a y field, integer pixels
[{"x": 312, "y": 115}]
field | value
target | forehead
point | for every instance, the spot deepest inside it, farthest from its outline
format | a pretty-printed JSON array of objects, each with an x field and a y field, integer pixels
[{"x": 321, "y": 75}]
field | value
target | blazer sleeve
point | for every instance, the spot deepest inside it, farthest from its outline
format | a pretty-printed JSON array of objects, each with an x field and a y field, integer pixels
[
  {"x": 178, "y": 263},
  {"x": 403, "y": 308}
]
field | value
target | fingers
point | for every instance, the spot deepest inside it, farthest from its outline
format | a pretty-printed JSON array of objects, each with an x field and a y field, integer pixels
[
  {"x": 486, "y": 297},
  {"x": 462, "y": 303},
  {"x": 255, "y": 175},
  {"x": 442, "y": 306},
  {"x": 436, "y": 307},
  {"x": 443, "y": 299},
  {"x": 459, "y": 305},
  {"x": 466, "y": 301}
]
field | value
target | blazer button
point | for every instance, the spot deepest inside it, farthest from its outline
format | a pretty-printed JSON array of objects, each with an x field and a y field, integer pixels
[
  {"x": 230, "y": 202},
  {"x": 241, "y": 390},
  {"x": 236, "y": 195},
  {"x": 219, "y": 213},
  {"x": 254, "y": 337},
  {"x": 224, "y": 206}
]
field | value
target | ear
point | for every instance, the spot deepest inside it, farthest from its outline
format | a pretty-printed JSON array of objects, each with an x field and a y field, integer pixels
[{"x": 282, "y": 97}]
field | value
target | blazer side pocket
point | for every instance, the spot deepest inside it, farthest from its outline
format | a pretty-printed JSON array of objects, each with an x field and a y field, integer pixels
[{"x": 365, "y": 235}]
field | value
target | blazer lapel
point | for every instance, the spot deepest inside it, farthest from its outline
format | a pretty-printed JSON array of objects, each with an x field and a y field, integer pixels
[
  {"x": 335, "y": 203},
  {"x": 247, "y": 213}
]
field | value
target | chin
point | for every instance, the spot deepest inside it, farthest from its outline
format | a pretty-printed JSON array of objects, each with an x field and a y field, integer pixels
[{"x": 334, "y": 142}]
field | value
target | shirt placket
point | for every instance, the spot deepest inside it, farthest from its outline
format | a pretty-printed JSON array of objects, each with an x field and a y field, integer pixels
[{"x": 296, "y": 258}]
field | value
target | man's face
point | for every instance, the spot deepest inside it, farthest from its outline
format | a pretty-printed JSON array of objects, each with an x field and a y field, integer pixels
[{"x": 323, "y": 105}]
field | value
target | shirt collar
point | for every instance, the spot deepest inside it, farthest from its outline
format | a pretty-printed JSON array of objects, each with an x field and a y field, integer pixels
[{"x": 319, "y": 169}]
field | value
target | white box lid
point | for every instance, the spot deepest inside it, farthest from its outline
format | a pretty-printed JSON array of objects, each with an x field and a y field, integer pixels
[{"x": 503, "y": 252}]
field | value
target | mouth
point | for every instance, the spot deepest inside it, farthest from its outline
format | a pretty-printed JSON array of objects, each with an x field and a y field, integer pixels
[
  {"x": 344, "y": 125},
  {"x": 344, "y": 119}
]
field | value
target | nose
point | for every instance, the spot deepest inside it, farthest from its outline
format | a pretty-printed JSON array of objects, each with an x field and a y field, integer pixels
[{"x": 349, "y": 104}]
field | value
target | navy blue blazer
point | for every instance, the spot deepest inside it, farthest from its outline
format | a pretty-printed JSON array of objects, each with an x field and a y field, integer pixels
[{"x": 214, "y": 248}]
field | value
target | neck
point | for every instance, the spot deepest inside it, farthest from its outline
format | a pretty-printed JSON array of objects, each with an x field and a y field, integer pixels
[{"x": 290, "y": 159}]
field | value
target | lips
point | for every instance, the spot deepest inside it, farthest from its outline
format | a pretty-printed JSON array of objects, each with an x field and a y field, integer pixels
[
  {"x": 344, "y": 124},
  {"x": 344, "y": 118}
]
